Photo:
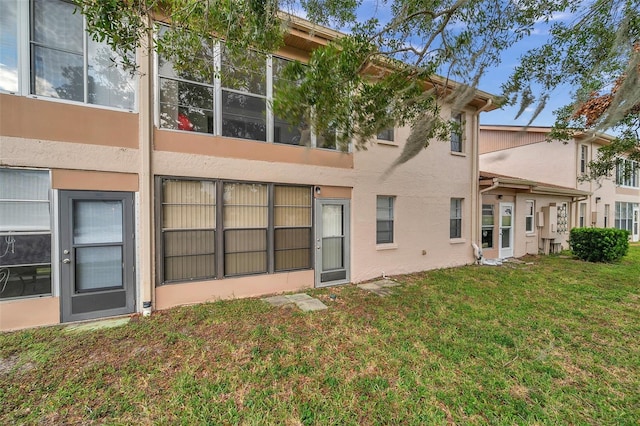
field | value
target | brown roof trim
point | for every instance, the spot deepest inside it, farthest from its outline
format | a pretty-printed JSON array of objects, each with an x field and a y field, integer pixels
[{"x": 488, "y": 179}]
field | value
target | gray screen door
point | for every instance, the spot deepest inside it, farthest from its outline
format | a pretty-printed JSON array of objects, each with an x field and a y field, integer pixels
[
  {"x": 96, "y": 254},
  {"x": 332, "y": 242}
]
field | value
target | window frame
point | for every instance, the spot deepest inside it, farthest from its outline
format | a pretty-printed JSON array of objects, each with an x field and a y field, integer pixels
[
  {"x": 489, "y": 228},
  {"x": 390, "y": 221},
  {"x": 530, "y": 217},
  {"x": 221, "y": 229},
  {"x": 387, "y": 135},
  {"x": 25, "y": 70},
  {"x": 456, "y": 214},
  {"x": 582, "y": 215},
  {"x": 272, "y": 122},
  {"x": 457, "y": 136},
  {"x": 8, "y": 238},
  {"x": 632, "y": 180},
  {"x": 584, "y": 155},
  {"x": 624, "y": 215}
]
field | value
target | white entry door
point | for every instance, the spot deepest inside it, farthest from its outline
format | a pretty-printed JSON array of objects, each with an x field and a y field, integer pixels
[
  {"x": 332, "y": 242},
  {"x": 506, "y": 230}
]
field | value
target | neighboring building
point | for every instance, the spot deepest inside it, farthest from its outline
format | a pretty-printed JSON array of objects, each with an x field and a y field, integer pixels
[
  {"x": 116, "y": 191},
  {"x": 521, "y": 216},
  {"x": 525, "y": 154}
]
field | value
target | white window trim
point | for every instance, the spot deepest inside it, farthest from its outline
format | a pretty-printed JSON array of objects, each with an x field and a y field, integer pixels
[
  {"x": 394, "y": 243},
  {"x": 463, "y": 147},
  {"x": 532, "y": 216},
  {"x": 461, "y": 238},
  {"x": 634, "y": 164},
  {"x": 584, "y": 158}
]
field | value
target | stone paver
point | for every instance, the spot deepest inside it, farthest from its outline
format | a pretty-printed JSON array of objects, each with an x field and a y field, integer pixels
[
  {"x": 381, "y": 287},
  {"x": 300, "y": 297},
  {"x": 302, "y": 300},
  {"x": 277, "y": 300},
  {"x": 311, "y": 305}
]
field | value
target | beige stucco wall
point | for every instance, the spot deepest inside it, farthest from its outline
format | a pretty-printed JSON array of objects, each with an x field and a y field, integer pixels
[
  {"x": 523, "y": 242},
  {"x": 171, "y": 295},
  {"x": 423, "y": 188},
  {"x": 31, "y": 312},
  {"x": 543, "y": 162},
  {"x": 558, "y": 164}
]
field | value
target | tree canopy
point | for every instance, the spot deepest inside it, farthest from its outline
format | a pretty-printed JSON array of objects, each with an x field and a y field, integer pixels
[{"x": 383, "y": 71}]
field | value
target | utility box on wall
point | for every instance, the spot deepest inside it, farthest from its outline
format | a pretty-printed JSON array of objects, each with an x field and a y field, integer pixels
[{"x": 550, "y": 222}]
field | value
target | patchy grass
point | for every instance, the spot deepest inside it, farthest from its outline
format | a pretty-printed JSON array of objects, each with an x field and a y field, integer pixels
[{"x": 550, "y": 341}]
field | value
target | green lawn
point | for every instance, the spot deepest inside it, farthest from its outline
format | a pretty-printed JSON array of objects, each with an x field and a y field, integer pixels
[{"x": 550, "y": 341}]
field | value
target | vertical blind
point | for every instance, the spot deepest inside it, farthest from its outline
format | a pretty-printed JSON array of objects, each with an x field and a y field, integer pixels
[
  {"x": 250, "y": 235},
  {"x": 189, "y": 221}
]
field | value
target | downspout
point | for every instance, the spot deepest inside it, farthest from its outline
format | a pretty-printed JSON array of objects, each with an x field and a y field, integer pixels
[
  {"x": 145, "y": 245},
  {"x": 476, "y": 199}
]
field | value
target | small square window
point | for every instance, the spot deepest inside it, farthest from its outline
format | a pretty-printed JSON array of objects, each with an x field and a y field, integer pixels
[{"x": 386, "y": 134}]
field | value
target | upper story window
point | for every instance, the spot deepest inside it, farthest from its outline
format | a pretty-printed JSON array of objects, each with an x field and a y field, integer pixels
[
  {"x": 235, "y": 102},
  {"x": 9, "y": 45},
  {"x": 628, "y": 173},
  {"x": 386, "y": 134},
  {"x": 63, "y": 62},
  {"x": 584, "y": 155},
  {"x": 457, "y": 133}
]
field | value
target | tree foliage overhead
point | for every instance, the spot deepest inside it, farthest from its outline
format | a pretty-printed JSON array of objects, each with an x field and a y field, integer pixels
[{"x": 382, "y": 72}]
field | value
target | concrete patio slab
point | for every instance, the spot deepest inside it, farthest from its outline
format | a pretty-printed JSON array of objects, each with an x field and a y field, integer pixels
[{"x": 97, "y": 325}]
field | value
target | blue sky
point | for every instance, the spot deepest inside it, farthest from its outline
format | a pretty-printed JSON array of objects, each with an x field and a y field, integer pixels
[{"x": 495, "y": 77}]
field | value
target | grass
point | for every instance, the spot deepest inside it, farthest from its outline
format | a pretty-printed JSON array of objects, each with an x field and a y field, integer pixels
[{"x": 550, "y": 341}]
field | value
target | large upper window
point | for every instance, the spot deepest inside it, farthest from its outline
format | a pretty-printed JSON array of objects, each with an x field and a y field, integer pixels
[
  {"x": 236, "y": 101},
  {"x": 628, "y": 173},
  {"x": 25, "y": 233},
  {"x": 9, "y": 45},
  {"x": 62, "y": 60},
  {"x": 215, "y": 229}
]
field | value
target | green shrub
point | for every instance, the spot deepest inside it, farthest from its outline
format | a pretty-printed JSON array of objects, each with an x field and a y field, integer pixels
[{"x": 599, "y": 244}]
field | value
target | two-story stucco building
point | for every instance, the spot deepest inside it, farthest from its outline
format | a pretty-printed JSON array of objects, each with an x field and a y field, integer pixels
[
  {"x": 531, "y": 166},
  {"x": 119, "y": 191}
]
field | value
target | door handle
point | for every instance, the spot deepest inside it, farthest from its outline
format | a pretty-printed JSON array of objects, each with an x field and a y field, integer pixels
[{"x": 66, "y": 261}]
